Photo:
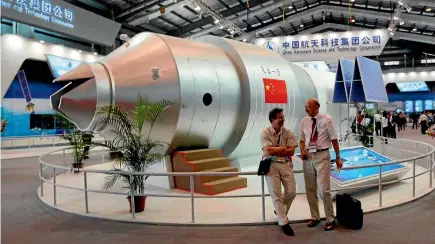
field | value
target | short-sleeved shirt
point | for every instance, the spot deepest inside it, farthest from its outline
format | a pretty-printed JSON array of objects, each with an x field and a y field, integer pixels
[
  {"x": 269, "y": 138},
  {"x": 325, "y": 131}
]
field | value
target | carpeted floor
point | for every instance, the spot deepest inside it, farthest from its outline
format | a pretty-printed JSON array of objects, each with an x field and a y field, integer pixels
[{"x": 24, "y": 219}]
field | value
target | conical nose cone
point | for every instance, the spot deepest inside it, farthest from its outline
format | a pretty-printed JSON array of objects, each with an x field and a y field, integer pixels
[
  {"x": 83, "y": 71},
  {"x": 80, "y": 104}
]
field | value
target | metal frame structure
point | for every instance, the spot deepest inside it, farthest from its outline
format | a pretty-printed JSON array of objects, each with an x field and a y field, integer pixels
[
  {"x": 430, "y": 156},
  {"x": 413, "y": 28}
]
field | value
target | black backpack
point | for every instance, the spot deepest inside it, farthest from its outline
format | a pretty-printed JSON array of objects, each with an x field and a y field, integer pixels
[{"x": 349, "y": 212}]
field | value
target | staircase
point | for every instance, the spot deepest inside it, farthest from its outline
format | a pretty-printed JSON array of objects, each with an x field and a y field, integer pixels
[{"x": 205, "y": 160}]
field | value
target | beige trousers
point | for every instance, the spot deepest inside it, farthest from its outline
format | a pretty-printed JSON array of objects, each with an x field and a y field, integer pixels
[
  {"x": 281, "y": 173},
  {"x": 317, "y": 172}
]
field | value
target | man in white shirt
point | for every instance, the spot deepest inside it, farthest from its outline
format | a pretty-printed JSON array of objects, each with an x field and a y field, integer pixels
[
  {"x": 378, "y": 123},
  {"x": 316, "y": 135},
  {"x": 423, "y": 122},
  {"x": 279, "y": 144}
]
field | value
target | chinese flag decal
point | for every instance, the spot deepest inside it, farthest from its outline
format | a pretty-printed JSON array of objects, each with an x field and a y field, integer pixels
[{"x": 275, "y": 91}]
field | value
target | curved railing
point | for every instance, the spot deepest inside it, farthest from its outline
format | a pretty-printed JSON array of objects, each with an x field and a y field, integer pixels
[
  {"x": 32, "y": 141},
  {"x": 429, "y": 155}
]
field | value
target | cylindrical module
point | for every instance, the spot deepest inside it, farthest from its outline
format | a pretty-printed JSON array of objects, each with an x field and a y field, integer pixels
[{"x": 227, "y": 89}]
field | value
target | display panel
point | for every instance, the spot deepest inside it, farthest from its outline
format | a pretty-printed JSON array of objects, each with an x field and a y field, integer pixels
[
  {"x": 60, "y": 65},
  {"x": 418, "y": 106},
  {"x": 412, "y": 86},
  {"x": 357, "y": 157},
  {"x": 409, "y": 106},
  {"x": 26, "y": 106},
  {"x": 428, "y": 105}
]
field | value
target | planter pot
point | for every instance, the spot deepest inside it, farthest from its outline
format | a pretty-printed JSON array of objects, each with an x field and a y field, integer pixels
[
  {"x": 139, "y": 203},
  {"x": 77, "y": 166},
  {"x": 114, "y": 155}
]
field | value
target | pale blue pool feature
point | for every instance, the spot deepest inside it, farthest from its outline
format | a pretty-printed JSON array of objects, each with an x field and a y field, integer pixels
[{"x": 361, "y": 156}]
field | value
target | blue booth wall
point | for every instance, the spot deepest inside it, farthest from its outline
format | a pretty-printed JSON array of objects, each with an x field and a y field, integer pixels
[{"x": 14, "y": 107}]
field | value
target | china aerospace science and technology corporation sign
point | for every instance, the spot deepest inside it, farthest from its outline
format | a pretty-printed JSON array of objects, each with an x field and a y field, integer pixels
[
  {"x": 327, "y": 45},
  {"x": 44, "y": 10}
]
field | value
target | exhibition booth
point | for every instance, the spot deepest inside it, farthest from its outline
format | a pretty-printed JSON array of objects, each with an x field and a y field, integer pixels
[{"x": 224, "y": 90}]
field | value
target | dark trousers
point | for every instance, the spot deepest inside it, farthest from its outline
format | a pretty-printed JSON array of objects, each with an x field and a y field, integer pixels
[
  {"x": 378, "y": 128},
  {"x": 415, "y": 123},
  {"x": 423, "y": 127},
  {"x": 385, "y": 133},
  {"x": 392, "y": 131}
]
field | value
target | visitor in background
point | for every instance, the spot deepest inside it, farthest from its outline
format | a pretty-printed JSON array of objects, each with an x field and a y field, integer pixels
[
  {"x": 87, "y": 140},
  {"x": 279, "y": 143},
  {"x": 423, "y": 122},
  {"x": 392, "y": 125},
  {"x": 316, "y": 135},
  {"x": 414, "y": 118},
  {"x": 378, "y": 122},
  {"x": 385, "y": 127}
]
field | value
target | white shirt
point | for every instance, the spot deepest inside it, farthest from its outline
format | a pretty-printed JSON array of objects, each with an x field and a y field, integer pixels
[
  {"x": 384, "y": 122},
  {"x": 325, "y": 130},
  {"x": 377, "y": 117},
  {"x": 269, "y": 138},
  {"x": 423, "y": 117}
]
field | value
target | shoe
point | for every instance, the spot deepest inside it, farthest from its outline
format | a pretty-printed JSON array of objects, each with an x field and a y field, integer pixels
[
  {"x": 287, "y": 229},
  {"x": 313, "y": 222},
  {"x": 330, "y": 226}
]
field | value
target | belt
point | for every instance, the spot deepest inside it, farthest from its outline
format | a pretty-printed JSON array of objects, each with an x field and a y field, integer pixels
[{"x": 321, "y": 150}]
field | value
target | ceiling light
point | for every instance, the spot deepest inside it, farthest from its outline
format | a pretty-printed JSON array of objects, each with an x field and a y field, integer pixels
[
  {"x": 428, "y": 9},
  {"x": 415, "y": 29}
]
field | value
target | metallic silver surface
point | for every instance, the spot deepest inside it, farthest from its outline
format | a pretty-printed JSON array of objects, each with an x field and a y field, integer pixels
[
  {"x": 187, "y": 71},
  {"x": 87, "y": 90}
]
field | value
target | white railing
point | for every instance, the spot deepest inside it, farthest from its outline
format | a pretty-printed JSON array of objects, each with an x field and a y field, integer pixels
[
  {"x": 33, "y": 141},
  {"x": 429, "y": 155}
]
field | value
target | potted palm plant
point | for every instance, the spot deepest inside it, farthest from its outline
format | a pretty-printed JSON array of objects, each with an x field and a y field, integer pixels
[
  {"x": 135, "y": 149},
  {"x": 78, "y": 148},
  {"x": 75, "y": 139}
]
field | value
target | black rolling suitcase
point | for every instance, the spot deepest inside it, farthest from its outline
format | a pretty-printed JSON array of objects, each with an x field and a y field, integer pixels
[{"x": 349, "y": 212}]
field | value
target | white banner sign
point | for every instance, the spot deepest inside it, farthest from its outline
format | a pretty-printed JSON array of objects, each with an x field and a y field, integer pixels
[
  {"x": 317, "y": 65},
  {"x": 327, "y": 46}
]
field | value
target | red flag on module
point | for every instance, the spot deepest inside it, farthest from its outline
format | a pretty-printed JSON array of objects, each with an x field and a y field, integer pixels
[{"x": 275, "y": 91}]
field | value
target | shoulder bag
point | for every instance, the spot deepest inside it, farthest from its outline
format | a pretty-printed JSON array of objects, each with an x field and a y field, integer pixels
[{"x": 264, "y": 166}]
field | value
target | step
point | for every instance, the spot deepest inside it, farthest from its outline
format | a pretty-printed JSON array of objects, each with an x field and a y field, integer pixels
[
  {"x": 205, "y": 179},
  {"x": 209, "y": 164},
  {"x": 226, "y": 185},
  {"x": 193, "y": 155}
]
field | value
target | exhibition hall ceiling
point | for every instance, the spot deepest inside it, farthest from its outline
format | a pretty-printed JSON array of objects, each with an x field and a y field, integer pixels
[{"x": 264, "y": 18}]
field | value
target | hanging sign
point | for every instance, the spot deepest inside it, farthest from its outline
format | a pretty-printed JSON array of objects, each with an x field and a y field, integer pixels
[{"x": 327, "y": 46}]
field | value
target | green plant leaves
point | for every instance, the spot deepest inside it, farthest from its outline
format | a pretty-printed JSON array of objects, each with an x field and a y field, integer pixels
[{"x": 126, "y": 132}]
